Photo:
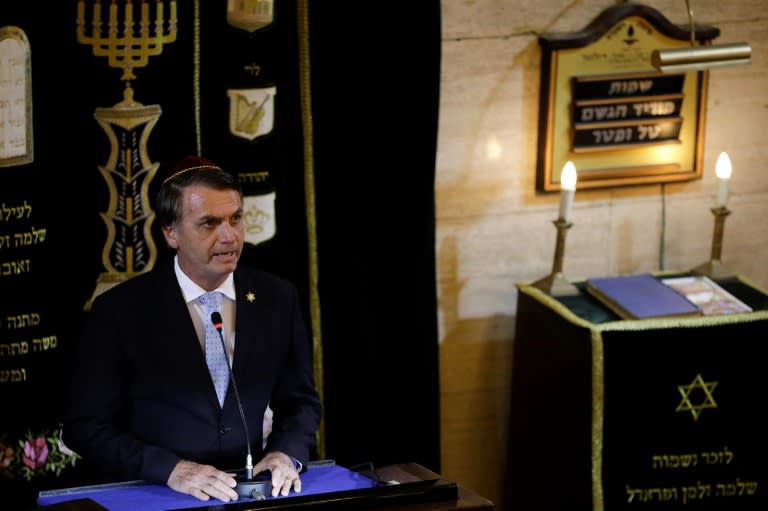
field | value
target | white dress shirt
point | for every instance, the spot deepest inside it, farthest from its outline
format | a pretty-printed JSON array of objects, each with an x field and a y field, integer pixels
[{"x": 199, "y": 312}]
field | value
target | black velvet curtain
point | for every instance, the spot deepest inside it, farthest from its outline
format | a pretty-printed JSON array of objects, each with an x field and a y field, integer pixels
[
  {"x": 374, "y": 79},
  {"x": 375, "y": 83}
]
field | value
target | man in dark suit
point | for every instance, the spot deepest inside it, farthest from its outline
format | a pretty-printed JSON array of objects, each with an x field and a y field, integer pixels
[{"x": 143, "y": 403}]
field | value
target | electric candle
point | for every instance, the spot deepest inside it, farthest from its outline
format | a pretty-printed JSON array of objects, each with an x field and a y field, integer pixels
[
  {"x": 723, "y": 172},
  {"x": 567, "y": 190}
]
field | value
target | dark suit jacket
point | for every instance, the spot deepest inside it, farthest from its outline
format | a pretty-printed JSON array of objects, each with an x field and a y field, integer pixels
[{"x": 142, "y": 398}]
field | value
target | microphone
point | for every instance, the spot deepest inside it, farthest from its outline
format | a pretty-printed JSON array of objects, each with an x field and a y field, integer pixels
[{"x": 254, "y": 488}]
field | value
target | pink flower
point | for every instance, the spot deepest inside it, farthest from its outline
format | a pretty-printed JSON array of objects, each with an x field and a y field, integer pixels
[{"x": 35, "y": 453}]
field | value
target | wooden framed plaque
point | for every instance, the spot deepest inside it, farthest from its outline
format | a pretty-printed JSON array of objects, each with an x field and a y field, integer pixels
[{"x": 604, "y": 107}]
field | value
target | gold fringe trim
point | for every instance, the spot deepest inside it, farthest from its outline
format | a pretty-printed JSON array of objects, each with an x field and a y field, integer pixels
[{"x": 302, "y": 21}]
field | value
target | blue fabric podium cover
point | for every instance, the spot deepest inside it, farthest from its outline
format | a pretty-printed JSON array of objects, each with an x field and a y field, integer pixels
[{"x": 142, "y": 496}]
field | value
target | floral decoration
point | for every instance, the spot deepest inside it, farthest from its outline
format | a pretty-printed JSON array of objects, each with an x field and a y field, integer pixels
[{"x": 35, "y": 455}]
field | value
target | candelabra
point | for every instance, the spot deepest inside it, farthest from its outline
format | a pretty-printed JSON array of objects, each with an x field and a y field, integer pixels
[
  {"x": 130, "y": 48},
  {"x": 555, "y": 284},
  {"x": 714, "y": 268},
  {"x": 129, "y": 248}
]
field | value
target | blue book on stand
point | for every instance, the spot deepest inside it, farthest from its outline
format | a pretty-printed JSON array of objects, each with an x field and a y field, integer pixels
[{"x": 640, "y": 296}]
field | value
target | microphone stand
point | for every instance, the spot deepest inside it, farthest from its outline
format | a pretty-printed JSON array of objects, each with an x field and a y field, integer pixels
[{"x": 248, "y": 487}]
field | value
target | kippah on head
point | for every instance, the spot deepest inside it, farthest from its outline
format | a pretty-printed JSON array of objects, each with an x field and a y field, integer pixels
[{"x": 191, "y": 162}]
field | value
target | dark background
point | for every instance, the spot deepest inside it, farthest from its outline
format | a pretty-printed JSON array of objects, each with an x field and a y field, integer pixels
[{"x": 374, "y": 95}]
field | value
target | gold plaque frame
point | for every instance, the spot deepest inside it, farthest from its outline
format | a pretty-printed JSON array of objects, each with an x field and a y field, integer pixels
[{"x": 605, "y": 108}]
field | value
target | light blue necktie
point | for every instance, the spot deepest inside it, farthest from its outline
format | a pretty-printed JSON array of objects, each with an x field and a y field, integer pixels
[{"x": 215, "y": 356}]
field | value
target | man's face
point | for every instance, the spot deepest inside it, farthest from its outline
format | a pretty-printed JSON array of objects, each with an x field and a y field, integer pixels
[{"x": 208, "y": 237}]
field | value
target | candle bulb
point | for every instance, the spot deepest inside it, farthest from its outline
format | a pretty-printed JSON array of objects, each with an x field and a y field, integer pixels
[
  {"x": 723, "y": 172},
  {"x": 567, "y": 190}
]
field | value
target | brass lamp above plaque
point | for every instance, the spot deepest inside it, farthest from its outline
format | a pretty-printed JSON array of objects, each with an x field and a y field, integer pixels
[{"x": 673, "y": 60}]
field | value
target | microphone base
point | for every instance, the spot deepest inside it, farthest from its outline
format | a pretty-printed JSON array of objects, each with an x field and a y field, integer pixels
[{"x": 259, "y": 487}]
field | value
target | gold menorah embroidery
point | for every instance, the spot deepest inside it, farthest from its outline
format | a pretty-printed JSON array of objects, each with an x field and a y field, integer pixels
[
  {"x": 128, "y": 43},
  {"x": 138, "y": 40}
]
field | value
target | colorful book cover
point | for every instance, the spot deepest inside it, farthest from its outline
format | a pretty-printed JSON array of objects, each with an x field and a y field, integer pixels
[{"x": 707, "y": 294}]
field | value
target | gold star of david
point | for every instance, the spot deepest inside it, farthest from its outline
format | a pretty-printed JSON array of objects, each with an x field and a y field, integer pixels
[
  {"x": 250, "y": 296},
  {"x": 687, "y": 390}
]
